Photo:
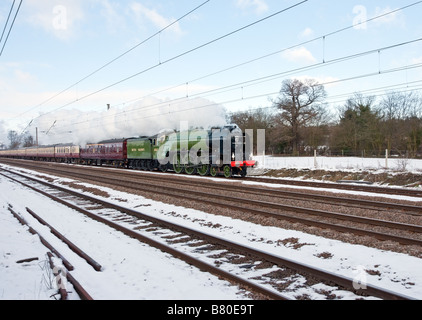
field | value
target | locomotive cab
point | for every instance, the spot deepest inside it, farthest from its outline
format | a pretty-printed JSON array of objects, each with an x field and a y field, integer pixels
[{"x": 230, "y": 151}]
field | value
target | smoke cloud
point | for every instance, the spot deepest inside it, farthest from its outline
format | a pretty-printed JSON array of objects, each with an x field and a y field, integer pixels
[
  {"x": 3, "y": 134},
  {"x": 145, "y": 118}
]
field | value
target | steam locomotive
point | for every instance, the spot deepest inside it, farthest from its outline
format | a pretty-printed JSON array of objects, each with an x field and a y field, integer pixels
[{"x": 218, "y": 151}]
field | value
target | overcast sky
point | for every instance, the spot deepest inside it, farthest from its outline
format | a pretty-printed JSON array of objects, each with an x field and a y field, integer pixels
[{"x": 54, "y": 44}]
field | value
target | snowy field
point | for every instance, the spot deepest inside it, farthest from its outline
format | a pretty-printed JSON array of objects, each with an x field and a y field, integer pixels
[
  {"x": 135, "y": 271},
  {"x": 340, "y": 163}
]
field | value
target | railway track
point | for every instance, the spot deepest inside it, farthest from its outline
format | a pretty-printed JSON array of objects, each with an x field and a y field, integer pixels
[
  {"x": 227, "y": 195},
  {"x": 340, "y": 186},
  {"x": 59, "y": 273},
  {"x": 280, "y": 211},
  {"x": 279, "y": 193},
  {"x": 233, "y": 260},
  {"x": 280, "y": 182},
  {"x": 251, "y": 190}
]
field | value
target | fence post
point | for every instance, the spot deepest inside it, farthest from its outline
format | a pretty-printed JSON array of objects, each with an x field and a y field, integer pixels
[{"x": 386, "y": 158}]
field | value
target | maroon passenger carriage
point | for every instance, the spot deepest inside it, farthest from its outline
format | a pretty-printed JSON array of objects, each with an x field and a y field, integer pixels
[{"x": 110, "y": 152}]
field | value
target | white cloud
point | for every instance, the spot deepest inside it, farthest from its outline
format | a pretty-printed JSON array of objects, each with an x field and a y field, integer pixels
[
  {"x": 259, "y": 6},
  {"x": 24, "y": 77},
  {"x": 111, "y": 13},
  {"x": 307, "y": 33},
  {"x": 15, "y": 75},
  {"x": 141, "y": 12},
  {"x": 299, "y": 55},
  {"x": 416, "y": 60},
  {"x": 396, "y": 17},
  {"x": 327, "y": 81}
]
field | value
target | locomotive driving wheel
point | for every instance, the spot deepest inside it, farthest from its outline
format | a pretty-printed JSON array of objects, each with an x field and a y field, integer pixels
[
  {"x": 213, "y": 171},
  {"x": 204, "y": 170},
  {"x": 227, "y": 170},
  {"x": 177, "y": 167},
  {"x": 190, "y": 169}
]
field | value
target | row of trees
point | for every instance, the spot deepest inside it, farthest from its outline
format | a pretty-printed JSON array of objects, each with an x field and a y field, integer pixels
[
  {"x": 16, "y": 140},
  {"x": 300, "y": 122}
]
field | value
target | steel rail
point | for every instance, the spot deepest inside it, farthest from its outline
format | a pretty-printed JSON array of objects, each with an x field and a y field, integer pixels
[
  {"x": 66, "y": 263},
  {"x": 259, "y": 191},
  {"x": 350, "y": 187},
  {"x": 288, "y": 194},
  {"x": 281, "y": 261},
  {"x": 346, "y": 217},
  {"x": 272, "y": 294},
  {"x": 371, "y": 189},
  {"x": 71, "y": 245},
  {"x": 205, "y": 197},
  {"x": 406, "y": 209},
  {"x": 83, "y": 294}
]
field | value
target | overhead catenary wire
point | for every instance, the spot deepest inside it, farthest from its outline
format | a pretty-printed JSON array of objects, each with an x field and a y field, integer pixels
[
  {"x": 11, "y": 27},
  {"x": 118, "y": 57},
  {"x": 238, "y": 65},
  {"x": 161, "y": 63},
  {"x": 370, "y": 92},
  {"x": 7, "y": 21},
  {"x": 256, "y": 81},
  {"x": 332, "y": 33},
  {"x": 186, "y": 83},
  {"x": 266, "y": 94}
]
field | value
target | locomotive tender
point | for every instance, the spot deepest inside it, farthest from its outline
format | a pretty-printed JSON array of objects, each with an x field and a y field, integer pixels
[{"x": 219, "y": 151}]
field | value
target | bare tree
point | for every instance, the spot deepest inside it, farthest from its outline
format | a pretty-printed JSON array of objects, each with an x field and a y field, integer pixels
[
  {"x": 28, "y": 141},
  {"x": 359, "y": 127},
  {"x": 397, "y": 105},
  {"x": 14, "y": 139},
  {"x": 261, "y": 118},
  {"x": 402, "y": 112},
  {"x": 299, "y": 105}
]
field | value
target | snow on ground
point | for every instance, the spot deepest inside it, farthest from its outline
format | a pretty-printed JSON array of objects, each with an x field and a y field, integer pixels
[
  {"x": 150, "y": 274},
  {"x": 339, "y": 163},
  {"x": 131, "y": 270}
]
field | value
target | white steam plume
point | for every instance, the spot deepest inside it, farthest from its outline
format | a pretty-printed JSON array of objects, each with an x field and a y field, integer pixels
[
  {"x": 3, "y": 134},
  {"x": 144, "y": 118}
]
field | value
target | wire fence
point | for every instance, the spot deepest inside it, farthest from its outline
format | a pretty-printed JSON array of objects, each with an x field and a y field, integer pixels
[{"x": 394, "y": 154}]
